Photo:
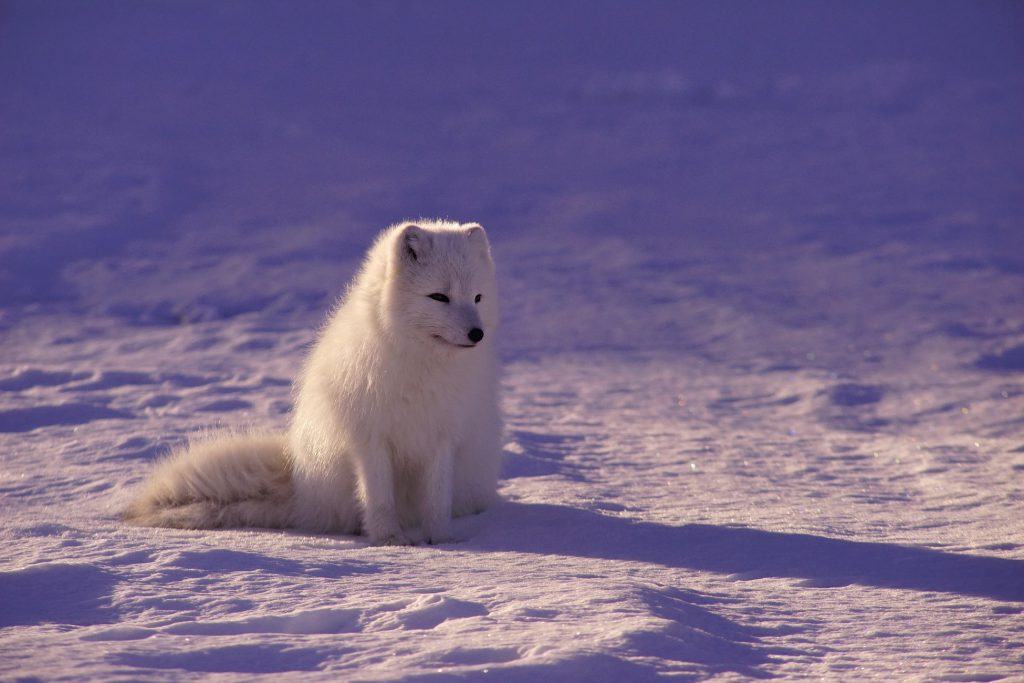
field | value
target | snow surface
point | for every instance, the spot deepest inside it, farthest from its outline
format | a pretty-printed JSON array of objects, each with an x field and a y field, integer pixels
[{"x": 763, "y": 288}]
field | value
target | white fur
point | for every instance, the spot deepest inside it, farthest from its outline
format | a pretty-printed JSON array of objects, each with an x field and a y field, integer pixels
[{"x": 396, "y": 425}]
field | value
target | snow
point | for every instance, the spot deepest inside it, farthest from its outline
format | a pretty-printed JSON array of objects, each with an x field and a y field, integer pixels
[{"x": 762, "y": 271}]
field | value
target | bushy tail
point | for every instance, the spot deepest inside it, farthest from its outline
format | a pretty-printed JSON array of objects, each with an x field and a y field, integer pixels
[{"x": 222, "y": 481}]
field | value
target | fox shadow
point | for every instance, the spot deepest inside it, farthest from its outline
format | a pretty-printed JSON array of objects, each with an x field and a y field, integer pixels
[{"x": 748, "y": 553}]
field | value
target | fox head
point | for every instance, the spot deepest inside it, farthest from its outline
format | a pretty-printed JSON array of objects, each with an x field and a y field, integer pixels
[{"x": 442, "y": 285}]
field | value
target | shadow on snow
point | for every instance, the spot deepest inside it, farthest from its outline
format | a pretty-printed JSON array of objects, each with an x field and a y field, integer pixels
[{"x": 749, "y": 553}]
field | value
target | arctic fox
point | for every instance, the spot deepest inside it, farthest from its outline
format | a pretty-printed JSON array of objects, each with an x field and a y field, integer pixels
[{"x": 395, "y": 426}]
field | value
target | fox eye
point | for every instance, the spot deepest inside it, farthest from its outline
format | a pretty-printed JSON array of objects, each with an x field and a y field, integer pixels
[
  {"x": 437, "y": 296},
  {"x": 478, "y": 297}
]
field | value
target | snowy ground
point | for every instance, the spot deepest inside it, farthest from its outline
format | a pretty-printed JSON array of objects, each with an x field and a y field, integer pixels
[{"x": 763, "y": 289}]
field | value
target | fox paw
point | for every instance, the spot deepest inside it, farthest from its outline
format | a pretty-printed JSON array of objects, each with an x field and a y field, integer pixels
[
  {"x": 391, "y": 538},
  {"x": 438, "y": 540},
  {"x": 437, "y": 537}
]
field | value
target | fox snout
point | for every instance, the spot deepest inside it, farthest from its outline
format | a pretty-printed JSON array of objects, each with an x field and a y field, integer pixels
[
  {"x": 462, "y": 326},
  {"x": 471, "y": 323}
]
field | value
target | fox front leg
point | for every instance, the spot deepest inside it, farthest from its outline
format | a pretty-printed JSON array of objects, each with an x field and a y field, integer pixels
[
  {"x": 435, "y": 497},
  {"x": 377, "y": 493}
]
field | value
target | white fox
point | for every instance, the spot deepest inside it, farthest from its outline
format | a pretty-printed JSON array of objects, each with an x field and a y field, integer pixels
[{"x": 396, "y": 425}]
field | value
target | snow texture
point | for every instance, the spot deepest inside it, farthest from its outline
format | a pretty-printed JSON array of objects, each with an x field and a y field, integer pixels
[{"x": 762, "y": 282}]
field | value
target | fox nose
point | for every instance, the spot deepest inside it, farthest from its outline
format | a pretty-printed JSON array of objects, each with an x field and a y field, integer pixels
[{"x": 476, "y": 334}]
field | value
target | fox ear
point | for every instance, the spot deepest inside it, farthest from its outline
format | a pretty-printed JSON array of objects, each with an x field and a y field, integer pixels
[
  {"x": 414, "y": 243},
  {"x": 477, "y": 235},
  {"x": 475, "y": 231}
]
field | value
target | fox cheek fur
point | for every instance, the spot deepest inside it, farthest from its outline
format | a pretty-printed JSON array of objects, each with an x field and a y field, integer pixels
[{"x": 396, "y": 426}]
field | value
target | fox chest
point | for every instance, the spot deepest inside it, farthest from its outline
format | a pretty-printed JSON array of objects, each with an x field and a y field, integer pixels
[{"x": 418, "y": 424}]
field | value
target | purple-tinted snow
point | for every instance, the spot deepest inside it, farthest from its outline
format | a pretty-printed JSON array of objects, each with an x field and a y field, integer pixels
[{"x": 763, "y": 289}]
